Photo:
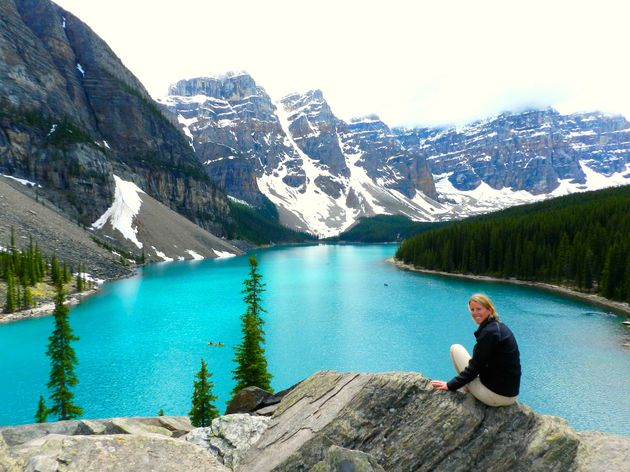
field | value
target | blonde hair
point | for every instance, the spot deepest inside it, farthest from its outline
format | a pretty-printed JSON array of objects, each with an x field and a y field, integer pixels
[{"x": 485, "y": 302}]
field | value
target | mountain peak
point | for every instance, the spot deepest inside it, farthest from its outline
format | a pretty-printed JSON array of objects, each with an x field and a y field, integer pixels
[{"x": 229, "y": 86}]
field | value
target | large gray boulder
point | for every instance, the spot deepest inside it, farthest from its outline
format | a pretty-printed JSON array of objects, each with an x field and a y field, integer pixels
[
  {"x": 130, "y": 444},
  {"x": 230, "y": 436},
  {"x": 121, "y": 452},
  {"x": 401, "y": 423}
]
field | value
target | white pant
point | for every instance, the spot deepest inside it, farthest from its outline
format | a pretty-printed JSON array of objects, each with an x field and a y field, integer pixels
[{"x": 461, "y": 358}]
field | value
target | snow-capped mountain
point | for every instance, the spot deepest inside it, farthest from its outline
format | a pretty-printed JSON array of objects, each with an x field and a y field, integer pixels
[
  {"x": 320, "y": 172},
  {"x": 323, "y": 173},
  {"x": 522, "y": 157}
]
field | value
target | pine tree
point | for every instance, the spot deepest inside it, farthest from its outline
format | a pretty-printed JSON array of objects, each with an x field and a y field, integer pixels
[
  {"x": 55, "y": 272},
  {"x": 80, "y": 281},
  {"x": 65, "y": 273},
  {"x": 11, "y": 302},
  {"x": 62, "y": 360},
  {"x": 203, "y": 410},
  {"x": 42, "y": 411},
  {"x": 28, "y": 297},
  {"x": 251, "y": 363}
]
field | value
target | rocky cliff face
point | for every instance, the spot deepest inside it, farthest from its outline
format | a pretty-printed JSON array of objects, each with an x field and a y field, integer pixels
[
  {"x": 397, "y": 421},
  {"x": 320, "y": 172},
  {"x": 329, "y": 422},
  {"x": 72, "y": 115},
  {"x": 533, "y": 151}
]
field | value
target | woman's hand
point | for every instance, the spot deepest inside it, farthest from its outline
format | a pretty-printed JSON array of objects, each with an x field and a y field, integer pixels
[{"x": 439, "y": 384}]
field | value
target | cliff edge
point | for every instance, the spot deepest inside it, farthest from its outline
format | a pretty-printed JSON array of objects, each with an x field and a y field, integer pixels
[{"x": 331, "y": 421}]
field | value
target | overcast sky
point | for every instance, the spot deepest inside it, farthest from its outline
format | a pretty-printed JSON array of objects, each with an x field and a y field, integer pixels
[{"x": 411, "y": 62}]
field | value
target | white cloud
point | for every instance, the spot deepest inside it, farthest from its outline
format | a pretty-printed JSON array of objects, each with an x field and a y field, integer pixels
[{"x": 411, "y": 62}]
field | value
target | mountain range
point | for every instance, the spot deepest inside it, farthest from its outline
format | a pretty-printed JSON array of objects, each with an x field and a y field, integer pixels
[
  {"x": 92, "y": 145},
  {"x": 323, "y": 173}
]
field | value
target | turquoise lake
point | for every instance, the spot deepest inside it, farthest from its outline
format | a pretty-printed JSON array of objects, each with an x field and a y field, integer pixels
[{"x": 339, "y": 307}]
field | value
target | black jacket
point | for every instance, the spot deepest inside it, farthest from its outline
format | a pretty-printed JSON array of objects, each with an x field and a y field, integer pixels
[{"x": 495, "y": 359}]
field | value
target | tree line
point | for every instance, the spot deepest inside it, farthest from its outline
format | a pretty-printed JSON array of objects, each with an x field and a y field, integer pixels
[
  {"x": 384, "y": 228},
  {"x": 579, "y": 241}
]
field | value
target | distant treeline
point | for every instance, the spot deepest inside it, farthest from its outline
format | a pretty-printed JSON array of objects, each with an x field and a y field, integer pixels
[
  {"x": 261, "y": 225},
  {"x": 384, "y": 228},
  {"x": 581, "y": 241}
]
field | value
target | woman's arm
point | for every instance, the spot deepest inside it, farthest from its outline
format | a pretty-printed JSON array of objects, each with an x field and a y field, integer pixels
[{"x": 481, "y": 354}]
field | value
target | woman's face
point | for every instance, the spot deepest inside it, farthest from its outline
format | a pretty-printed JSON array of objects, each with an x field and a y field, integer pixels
[{"x": 478, "y": 312}]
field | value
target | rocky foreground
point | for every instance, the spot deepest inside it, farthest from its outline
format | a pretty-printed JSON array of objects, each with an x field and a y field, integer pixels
[{"x": 331, "y": 421}]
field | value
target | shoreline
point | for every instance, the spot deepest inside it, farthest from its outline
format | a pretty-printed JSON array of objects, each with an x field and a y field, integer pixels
[
  {"x": 45, "y": 309},
  {"x": 620, "y": 308}
]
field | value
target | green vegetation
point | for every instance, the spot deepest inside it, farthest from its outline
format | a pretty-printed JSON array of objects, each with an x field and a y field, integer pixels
[
  {"x": 62, "y": 362},
  {"x": 384, "y": 228},
  {"x": 29, "y": 277},
  {"x": 251, "y": 363},
  {"x": 203, "y": 410},
  {"x": 66, "y": 133},
  {"x": 580, "y": 241},
  {"x": 260, "y": 227},
  {"x": 42, "y": 412},
  {"x": 21, "y": 270},
  {"x": 126, "y": 255}
]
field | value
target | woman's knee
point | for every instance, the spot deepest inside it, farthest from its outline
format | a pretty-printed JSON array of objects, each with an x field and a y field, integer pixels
[{"x": 457, "y": 347}]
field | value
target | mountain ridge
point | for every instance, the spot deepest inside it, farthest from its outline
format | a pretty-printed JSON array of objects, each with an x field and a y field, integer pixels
[{"x": 360, "y": 168}]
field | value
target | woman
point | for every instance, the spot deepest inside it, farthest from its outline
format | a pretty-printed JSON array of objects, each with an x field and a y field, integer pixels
[{"x": 493, "y": 374}]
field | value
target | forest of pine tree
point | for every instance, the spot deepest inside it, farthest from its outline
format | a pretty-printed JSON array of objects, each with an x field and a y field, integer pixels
[
  {"x": 579, "y": 241},
  {"x": 22, "y": 269}
]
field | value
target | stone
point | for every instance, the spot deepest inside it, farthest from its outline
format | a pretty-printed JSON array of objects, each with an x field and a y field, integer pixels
[
  {"x": 267, "y": 410},
  {"x": 110, "y": 453},
  {"x": 246, "y": 400},
  {"x": 229, "y": 436},
  {"x": 402, "y": 423},
  {"x": 329, "y": 422},
  {"x": 339, "y": 459},
  {"x": 169, "y": 426}
]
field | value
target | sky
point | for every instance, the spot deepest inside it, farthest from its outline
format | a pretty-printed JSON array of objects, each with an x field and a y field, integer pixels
[{"x": 412, "y": 62}]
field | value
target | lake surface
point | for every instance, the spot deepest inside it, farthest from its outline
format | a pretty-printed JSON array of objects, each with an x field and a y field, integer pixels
[{"x": 329, "y": 307}]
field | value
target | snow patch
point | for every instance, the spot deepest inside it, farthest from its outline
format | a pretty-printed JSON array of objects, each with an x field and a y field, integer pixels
[
  {"x": 162, "y": 255},
  {"x": 242, "y": 202},
  {"x": 24, "y": 182},
  {"x": 89, "y": 277},
  {"x": 194, "y": 255},
  {"x": 124, "y": 209},
  {"x": 222, "y": 254},
  {"x": 80, "y": 69}
]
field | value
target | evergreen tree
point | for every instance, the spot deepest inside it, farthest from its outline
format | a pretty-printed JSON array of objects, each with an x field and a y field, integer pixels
[
  {"x": 251, "y": 363},
  {"x": 161, "y": 412},
  {"x": 55, "y": 272},
  {"x": 62, "y": 360},
  {"x": 11, "y": 302},
  {"x": 42, "y": 411},
  {"x": 579, "y": 241},
  {"x": 203, "y": 410},
  {"x": 65, "y": 273},
  {"x": 80, "y": 281},
  {"x": 28, "y": 297}
]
